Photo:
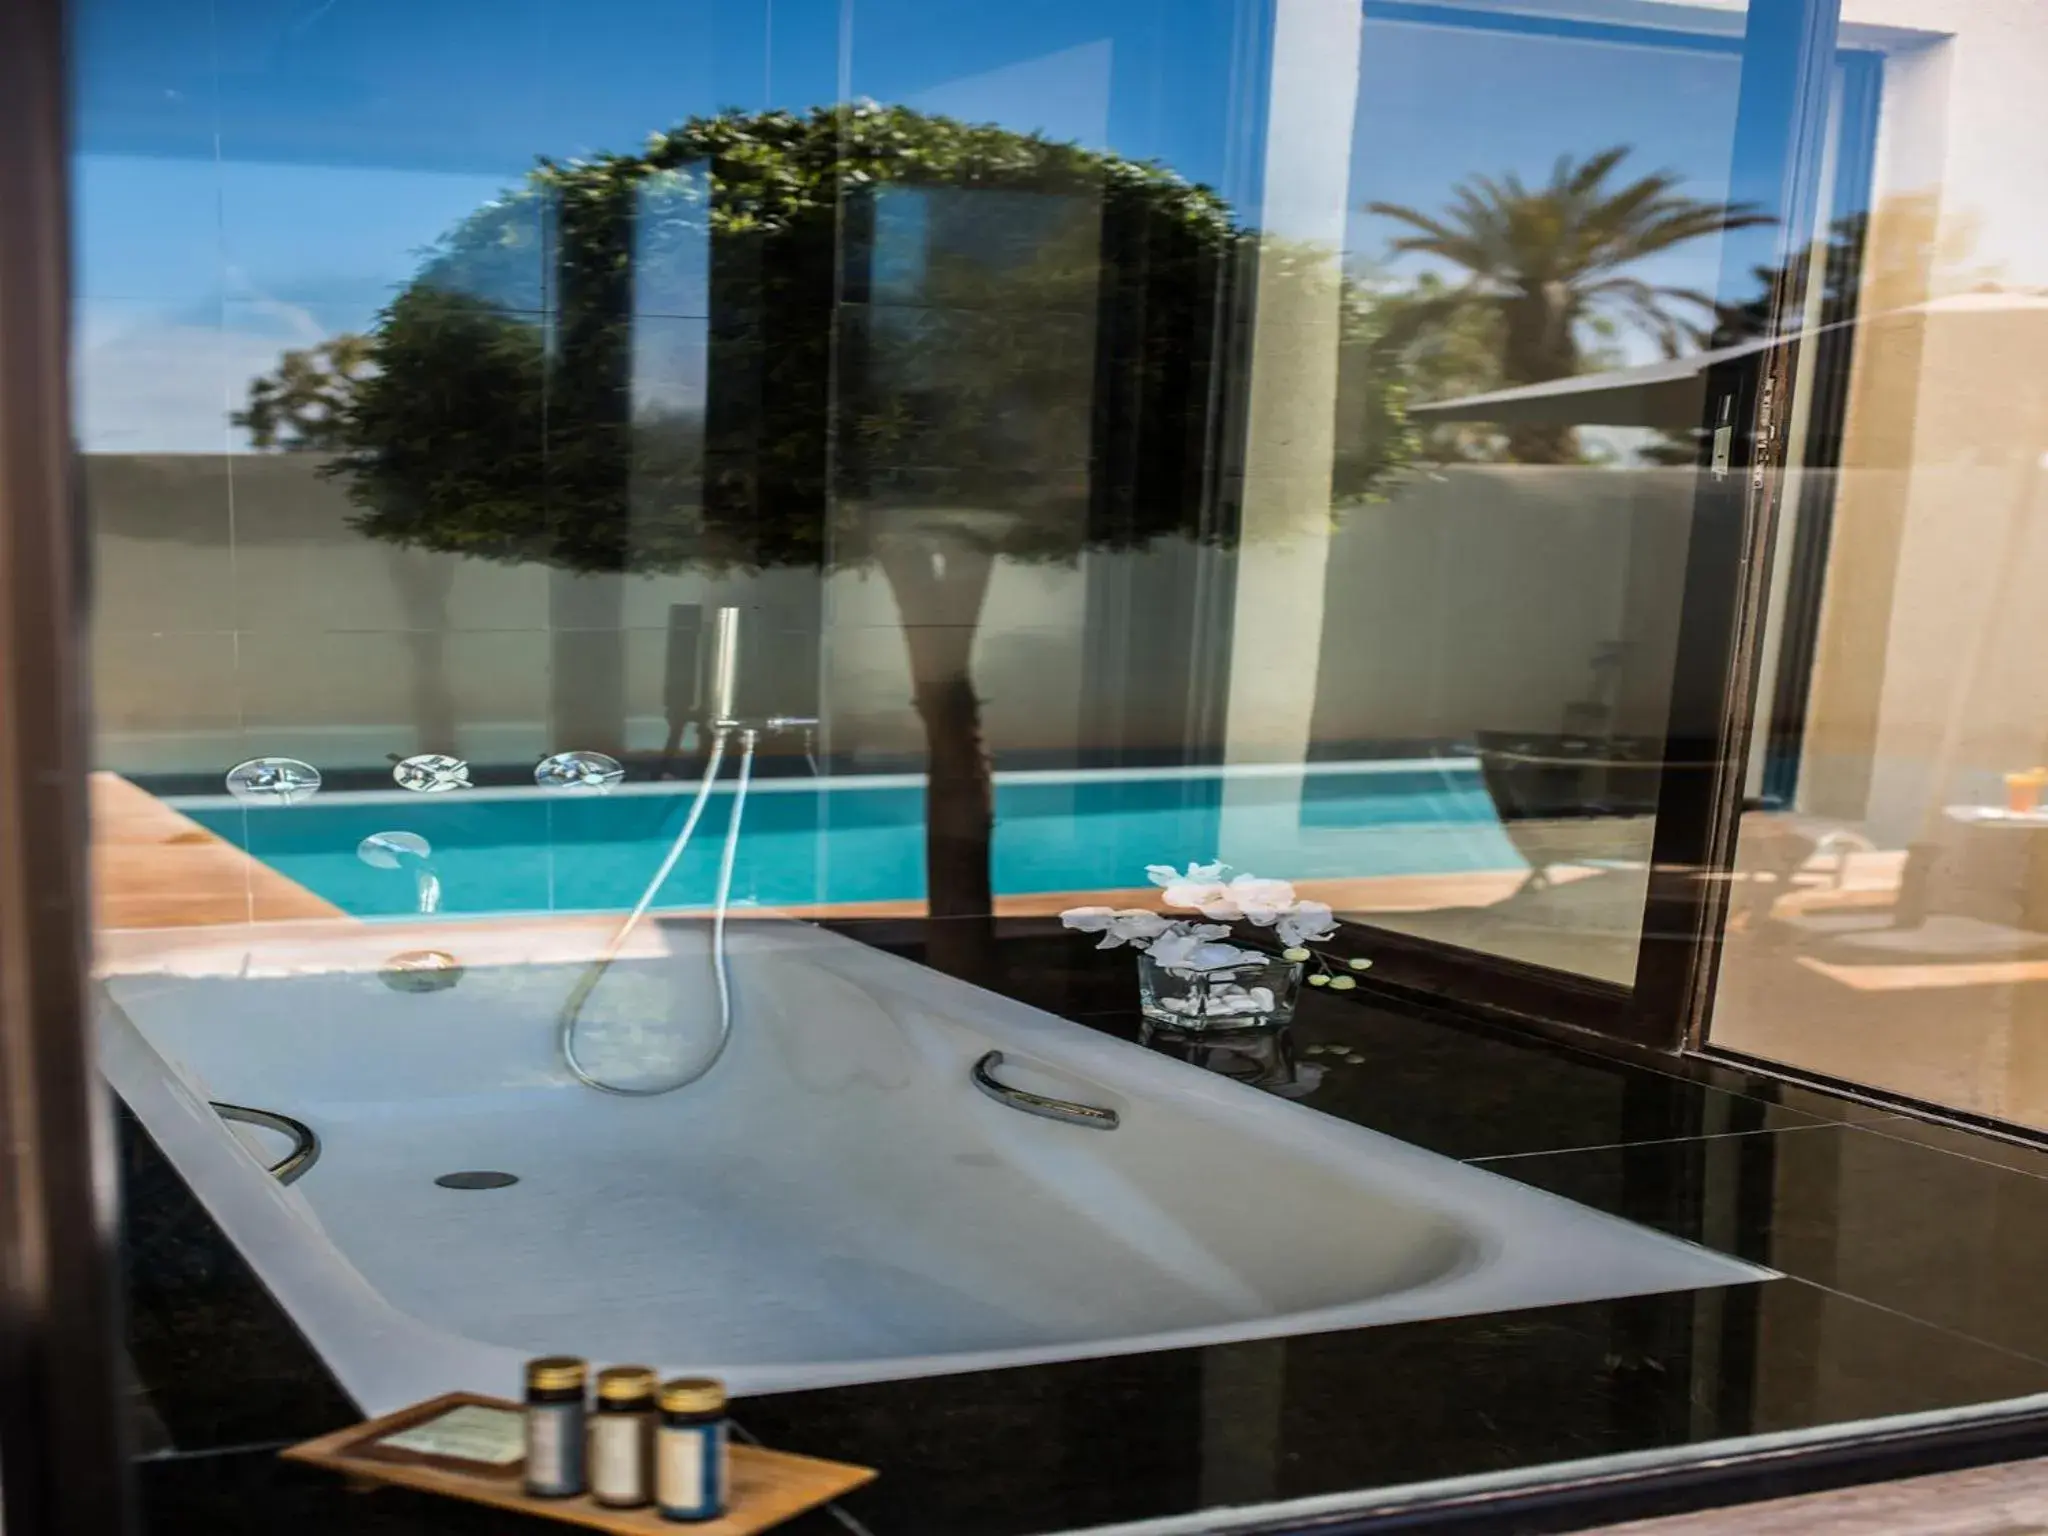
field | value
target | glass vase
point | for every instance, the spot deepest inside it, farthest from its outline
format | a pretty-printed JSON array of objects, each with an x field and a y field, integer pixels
[{"x": 1245, "y": 996}]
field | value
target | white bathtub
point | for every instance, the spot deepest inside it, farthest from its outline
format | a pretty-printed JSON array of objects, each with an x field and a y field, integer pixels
[{"x": 834, "y": 1202}]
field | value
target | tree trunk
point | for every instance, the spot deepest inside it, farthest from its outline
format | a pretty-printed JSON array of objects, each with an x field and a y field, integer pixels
[
  {"x": 1538, "y": 346},
  {"x": 939, "y": 593},
  {"x": 586, "y": 662},
  {"x": 423, "y": 582}
]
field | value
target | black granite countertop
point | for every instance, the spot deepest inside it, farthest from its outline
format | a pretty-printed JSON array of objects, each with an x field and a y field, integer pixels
[{"x": 1909, "y": 1251}]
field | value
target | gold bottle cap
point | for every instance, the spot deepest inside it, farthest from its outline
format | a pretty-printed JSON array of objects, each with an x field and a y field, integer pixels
[
  {"x": 625, "y": 1383},
  {"x": 556, "y": 1373},
  {"x": 693, "y": 1394}
]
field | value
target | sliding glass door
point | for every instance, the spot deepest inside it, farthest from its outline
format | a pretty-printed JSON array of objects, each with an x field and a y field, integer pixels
[
  {"x": 1565, "y": 280},
  {"x": 1348, "y": 484}
]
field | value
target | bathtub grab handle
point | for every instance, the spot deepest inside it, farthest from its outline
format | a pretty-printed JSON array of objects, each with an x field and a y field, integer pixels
[
  {"x": 305, "y": 1150},
  {"x": 1094, "y": 1118}
]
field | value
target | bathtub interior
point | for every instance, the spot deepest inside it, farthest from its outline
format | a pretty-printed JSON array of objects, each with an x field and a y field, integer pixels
[
  {"x": 837, "y": 1173},
  {"x": 834, "y": 1200}
]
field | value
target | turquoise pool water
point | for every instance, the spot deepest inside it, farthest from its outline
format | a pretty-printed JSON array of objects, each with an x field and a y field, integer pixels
[{"x": 859, "y": 839}]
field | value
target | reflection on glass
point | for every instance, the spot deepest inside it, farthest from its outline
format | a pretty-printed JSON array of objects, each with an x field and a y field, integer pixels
[
  {"x": 988, "y": 399},
  {"x": 408, "y": 851},
  {"x": 984, "y": 399},
  {"x": 913, "y": 470},
  {"x": 1502, "y": 590},
  {"x": 431, "y": 773},
  {"x": 589, "y": 772},
  {"x": 273, "y": 781},
  {"x": 1887, "y": 926}
]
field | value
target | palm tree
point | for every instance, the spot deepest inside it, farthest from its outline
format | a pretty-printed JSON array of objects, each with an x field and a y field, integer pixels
[{"x": 1547, "y": 261}]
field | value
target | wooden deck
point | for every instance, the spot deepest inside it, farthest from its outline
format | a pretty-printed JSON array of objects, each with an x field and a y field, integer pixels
[{"x": 154, "y": 868}]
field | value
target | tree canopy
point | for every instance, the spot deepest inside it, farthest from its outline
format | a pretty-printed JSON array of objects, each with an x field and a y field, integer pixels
[
  {"x": 775, "y": 338},
  {"x": 305, "y": 403},
  {"x": 860, "y": 334}
]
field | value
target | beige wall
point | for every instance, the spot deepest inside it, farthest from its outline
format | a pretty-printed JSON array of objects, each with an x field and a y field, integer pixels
[
  {"x": 1474, "y": 599},
  {"x": 238, "y": 614},
  {"x": 1471, "y": 600}
]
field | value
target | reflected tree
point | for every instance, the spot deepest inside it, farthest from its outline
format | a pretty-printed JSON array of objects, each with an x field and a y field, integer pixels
[
  {"x": 930, "y": 347},
  {"x": 304, "y": 404},
  {"x": 1820, "y": 316},
  {"x": 1547, "y": 263},
  {"x": 307, "y": 405},
  {"x": 1402, "y": 344},
  {"x": 1841, "y": 266}
]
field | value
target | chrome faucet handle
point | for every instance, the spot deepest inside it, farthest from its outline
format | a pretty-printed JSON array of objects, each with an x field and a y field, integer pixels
[
  {"x": 431, "y": 773},
  {"x": 579, "y": 772},
  {"x": 805, "y": 726},
  {"x": 273, "y": 781}
]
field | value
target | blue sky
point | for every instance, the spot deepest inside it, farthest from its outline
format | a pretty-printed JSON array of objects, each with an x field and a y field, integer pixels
[{"x": 255, "y": 174}]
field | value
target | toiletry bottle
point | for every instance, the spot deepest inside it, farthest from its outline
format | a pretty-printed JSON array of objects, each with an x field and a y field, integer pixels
[
  {"x": 689, "y": 1456},
  {"x": 622, "y": 1437},
  {"x": 554, "y": 1426}
]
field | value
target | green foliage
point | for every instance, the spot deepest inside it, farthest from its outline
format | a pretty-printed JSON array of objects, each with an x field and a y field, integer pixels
[
  {"x": 414, "y": 451},
  {"x": 304, "y": 404},
  {"x": 1548, "y": 262},
  {"x": 1374, "y": 438},
  {"x": 911, "y": 326},
  {"x": 1402, "y": 345}
]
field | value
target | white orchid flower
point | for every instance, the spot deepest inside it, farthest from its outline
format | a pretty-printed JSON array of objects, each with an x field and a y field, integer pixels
[
  {"x": 1260, "y": 902},
  {"x": 1212, "y": 901},
  {"x": 1309, "y": 922},
  {"x": 1087, "y": 919},
  {"x": 1174, "y": 949},
  {"x": 1197, "y": 889},
  {"x": 1183, "y": 945},
  {"x": 1133, "y": 925},
  {"x": 1197, "y": 874}
]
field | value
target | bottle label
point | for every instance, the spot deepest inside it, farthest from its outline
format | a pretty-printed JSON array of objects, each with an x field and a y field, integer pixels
[
  {"x": 690, "y": 1470},
  {"x": 554, "y": 1448},
  {"x": 618, "y": 1457}
]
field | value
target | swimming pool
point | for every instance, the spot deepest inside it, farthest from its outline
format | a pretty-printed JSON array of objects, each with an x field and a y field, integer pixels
[{"x": 860, "y": 838}]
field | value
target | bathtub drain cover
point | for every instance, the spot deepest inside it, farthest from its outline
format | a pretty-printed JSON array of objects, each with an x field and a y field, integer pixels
[{"x": 479, "y": 1178}]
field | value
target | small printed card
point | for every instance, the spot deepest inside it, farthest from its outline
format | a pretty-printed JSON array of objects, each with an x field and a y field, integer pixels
[{"x": 492, "y": 1436}]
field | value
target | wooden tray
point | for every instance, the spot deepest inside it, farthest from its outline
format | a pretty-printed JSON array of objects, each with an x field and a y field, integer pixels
[{"x": 768, "y": 1487}]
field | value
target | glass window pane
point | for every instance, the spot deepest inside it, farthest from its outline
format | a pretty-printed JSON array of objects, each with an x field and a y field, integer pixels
[
  {"x": 1885, "y": 929},
  {"x": 1030, "y": 712}
]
